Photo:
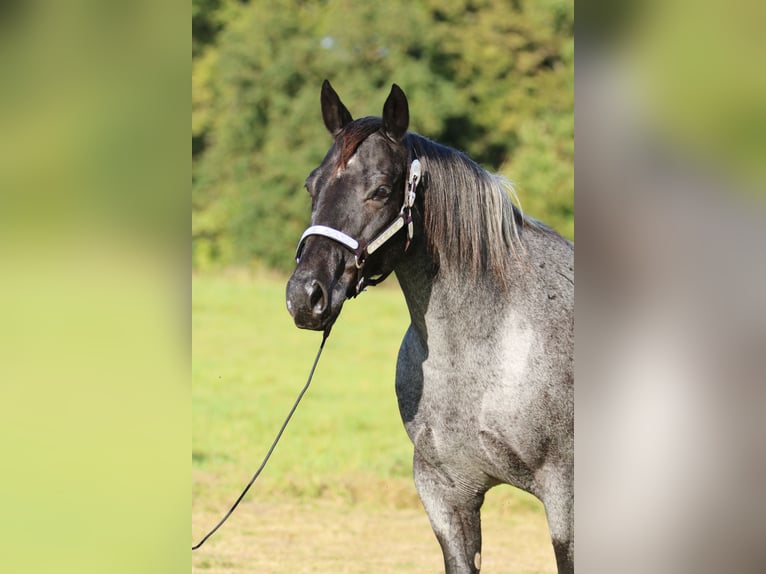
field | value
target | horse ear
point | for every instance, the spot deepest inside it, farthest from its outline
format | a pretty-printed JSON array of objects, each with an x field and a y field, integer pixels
[
  {"x": 334, "y": 113},
  {"x": 396, "y": 114}
]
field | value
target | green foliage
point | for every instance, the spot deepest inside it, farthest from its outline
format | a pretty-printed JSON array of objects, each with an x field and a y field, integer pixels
[{"x": 491, "y": 78}]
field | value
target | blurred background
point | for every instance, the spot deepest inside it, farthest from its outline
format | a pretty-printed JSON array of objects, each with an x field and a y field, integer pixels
[
  {"x": 671, "y": 310},
  {"x": 94, "y": 288},
  {"x": 494, "y": 79}
]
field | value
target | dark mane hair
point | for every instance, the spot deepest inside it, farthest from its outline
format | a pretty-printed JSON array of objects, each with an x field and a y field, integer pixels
[{"x": 354, "y": 134}]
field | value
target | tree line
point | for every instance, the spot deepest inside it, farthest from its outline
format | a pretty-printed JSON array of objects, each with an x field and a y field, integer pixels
[{"x": 492, "y": 78}]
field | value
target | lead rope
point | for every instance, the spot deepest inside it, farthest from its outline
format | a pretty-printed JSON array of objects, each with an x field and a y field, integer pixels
[{"x": 273, "y": 444}]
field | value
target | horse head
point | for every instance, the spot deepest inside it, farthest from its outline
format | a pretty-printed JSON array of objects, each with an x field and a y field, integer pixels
[{"x": 356, "y": 194}]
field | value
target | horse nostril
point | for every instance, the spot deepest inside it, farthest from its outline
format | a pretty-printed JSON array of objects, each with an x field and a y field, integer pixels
[{"x": 317, "y": 297}]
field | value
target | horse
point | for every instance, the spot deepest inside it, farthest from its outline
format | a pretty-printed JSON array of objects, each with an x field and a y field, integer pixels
[{"x": 485, "y": 371}]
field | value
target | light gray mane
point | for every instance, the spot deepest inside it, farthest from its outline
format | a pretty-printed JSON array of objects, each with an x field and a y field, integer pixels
[{"x": 471, "y": 223}]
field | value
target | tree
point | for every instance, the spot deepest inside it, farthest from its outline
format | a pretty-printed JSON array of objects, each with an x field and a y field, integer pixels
[{"x": 492, "y": 81}]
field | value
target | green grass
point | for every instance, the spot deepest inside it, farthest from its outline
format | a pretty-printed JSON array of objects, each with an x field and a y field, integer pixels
[{"x": 249, "y": 363}]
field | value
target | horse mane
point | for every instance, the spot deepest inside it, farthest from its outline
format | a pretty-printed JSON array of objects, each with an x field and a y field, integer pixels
[{"x": 471, "y": 223}]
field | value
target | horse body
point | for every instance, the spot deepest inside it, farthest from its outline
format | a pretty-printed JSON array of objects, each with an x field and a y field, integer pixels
[
  {"x": 485, "y": 390},
  {"x": 484, "y": 376}
]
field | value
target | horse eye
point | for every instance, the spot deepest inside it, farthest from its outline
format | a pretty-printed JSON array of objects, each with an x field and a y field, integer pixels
[{"x": 381, "y": 193}]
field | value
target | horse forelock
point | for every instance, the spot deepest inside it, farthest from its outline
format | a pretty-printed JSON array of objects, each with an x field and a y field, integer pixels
[{"x": 352, "y": 136}]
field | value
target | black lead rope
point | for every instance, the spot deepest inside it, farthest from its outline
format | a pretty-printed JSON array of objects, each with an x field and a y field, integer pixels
[{"x": 273, "y": 444}]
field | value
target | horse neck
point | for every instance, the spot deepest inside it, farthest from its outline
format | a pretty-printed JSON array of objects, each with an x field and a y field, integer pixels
[
  {"x": 416, "y": 278},
  {"x": 441, "y": 304}
]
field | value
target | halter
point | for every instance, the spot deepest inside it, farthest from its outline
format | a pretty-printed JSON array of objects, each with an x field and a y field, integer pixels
[{"x": 360, "y": 250}]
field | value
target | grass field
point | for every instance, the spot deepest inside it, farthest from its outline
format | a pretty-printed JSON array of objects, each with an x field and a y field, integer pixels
[{"x": 337, "y": 495}]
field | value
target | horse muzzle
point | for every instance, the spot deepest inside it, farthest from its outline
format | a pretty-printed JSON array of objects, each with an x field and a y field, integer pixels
[
  {"x": 308, "y": 301},
  {"x": 315, "y": 301}
]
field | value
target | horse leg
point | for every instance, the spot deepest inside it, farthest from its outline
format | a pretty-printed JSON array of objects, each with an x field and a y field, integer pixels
[
  {"x": 454, "y": 512},
  {"x": 559, "y": 510}
]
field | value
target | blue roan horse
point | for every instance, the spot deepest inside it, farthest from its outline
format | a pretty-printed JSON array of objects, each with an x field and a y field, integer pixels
[{"x": 484, "y": 377}]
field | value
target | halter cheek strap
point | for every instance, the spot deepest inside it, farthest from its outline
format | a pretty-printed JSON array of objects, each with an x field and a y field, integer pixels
[{"x": 362, "y": 251}]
